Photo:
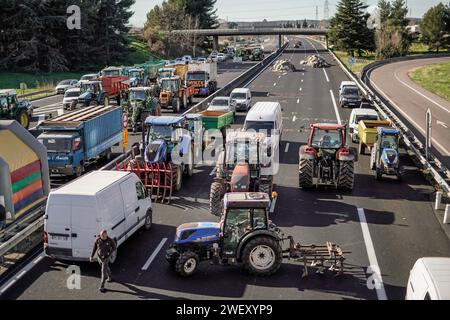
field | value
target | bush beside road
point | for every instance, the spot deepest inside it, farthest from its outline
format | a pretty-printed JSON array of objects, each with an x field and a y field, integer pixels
[{"x": 434, "y": 78}]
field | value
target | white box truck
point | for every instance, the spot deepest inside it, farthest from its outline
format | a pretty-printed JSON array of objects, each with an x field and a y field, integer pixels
[
  {"x": 203, "y": 77},
  {"x": 75, "y": 214}
]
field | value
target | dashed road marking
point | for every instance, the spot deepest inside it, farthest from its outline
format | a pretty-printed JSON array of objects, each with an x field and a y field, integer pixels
[
  {"x": 442, "y": 124},
  {"x": 287, "y": 147},
  {"x": 326, "y": 75},
  {"x": 298, "y": 100},
  {"x": 338, "y": 117},
  {"x": 154, "y": 254},
  {"x": 274, "y": 84},
  {"x": 294, "y": 118}
]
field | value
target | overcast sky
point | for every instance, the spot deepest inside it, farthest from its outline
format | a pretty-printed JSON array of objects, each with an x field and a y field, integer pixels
[{"x": 257, "y": 10}]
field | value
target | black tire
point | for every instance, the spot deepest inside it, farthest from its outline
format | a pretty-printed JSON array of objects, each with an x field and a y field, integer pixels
[
  {"x": 346, "y": 177},
  {"x": 177, "y": 178},
  {"x": 305, "y": 173},
  {"x": 93, "y": 103},
  {"x": 361, "y": 148},
  {"x": 190, "y": 166},
  {"x": 176, "y": 105},
  {"x": 185, "y": 100},
  {"x": 266, "y": 187},
  {"x": 378, "y": 175},
  {"x": 190, "y": 99},
  {"x": 215, "y": 198},
  {"x": 108, "y": 154},
  {"x": 23, "y": 118},
  {"x": 148, "y": 220},
  {"x": 256, "y": 251},
  {"x": 187, "y": 264},
  {"x": 106, "y": 101}
]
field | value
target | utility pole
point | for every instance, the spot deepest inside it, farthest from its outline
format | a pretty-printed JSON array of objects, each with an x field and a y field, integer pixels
[
  {"x": 317, "y": 15},
  {"x": 326, "y": 10}
]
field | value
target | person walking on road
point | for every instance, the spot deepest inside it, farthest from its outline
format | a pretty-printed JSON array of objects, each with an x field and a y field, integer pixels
[{"x": 104, "y": 246}]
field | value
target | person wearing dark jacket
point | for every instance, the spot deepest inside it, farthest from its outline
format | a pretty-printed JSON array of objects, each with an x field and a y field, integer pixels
[
  {"x": 104, "y": 246},
  {"x": 2, "y": 216}
]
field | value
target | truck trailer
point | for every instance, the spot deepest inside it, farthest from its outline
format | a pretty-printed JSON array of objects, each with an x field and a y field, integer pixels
[
  {"x": 203, "y": 77},
  {"x": 76, "y": 139}
]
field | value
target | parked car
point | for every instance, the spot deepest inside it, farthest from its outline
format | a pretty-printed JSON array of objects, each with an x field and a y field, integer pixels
[
  {"x": 241, "y": 98},
  {"x": 429, "y": 279},
  {"x": 116, "y": 201},
  {"x": 66, "y": 84},
  {"x": 213, "y": 57},
  {"x": 187, "y": 59},
  {"x": 71, "y": 97},
  {"x": 201, "y": 60},
  {"x": 221, "y": 104},
  {"x": 357, "y": 115}
]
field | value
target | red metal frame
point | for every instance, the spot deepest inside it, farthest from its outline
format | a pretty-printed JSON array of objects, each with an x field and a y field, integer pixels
[{"x": 328, "y": 126}]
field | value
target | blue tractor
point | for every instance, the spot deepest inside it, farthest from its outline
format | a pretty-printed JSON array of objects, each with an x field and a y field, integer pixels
[
  {"x": 138, "y": 78},
  {"x": 92, "y": 94},
  {"x": 384, "y": 158},
  {"x": 245, "y": 236}
]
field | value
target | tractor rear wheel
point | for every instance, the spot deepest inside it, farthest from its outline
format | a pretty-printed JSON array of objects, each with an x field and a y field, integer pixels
[
  {"x": 215, "y": 198},
  {"x": 346, "y": 175},
  {"x": 106, "y": 101},
  {"x": 177, "y": 177},
  {"x": 23, "y": 118},
  {"x": 93, "y": 103},
  {"x": 262, "y": 256},
  {"x": 176, "y": 105},
  {"x": 305, "y": 173},
  {"x": 187, "y": 264},
  {"x": 185, "y": 100}
]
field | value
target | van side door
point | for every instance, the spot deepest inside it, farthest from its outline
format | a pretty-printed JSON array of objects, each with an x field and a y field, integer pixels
[{"x": 131, "y": 205}]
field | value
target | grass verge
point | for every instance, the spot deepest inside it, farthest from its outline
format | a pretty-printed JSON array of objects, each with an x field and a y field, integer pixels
[{"x": 434, "y": 78}]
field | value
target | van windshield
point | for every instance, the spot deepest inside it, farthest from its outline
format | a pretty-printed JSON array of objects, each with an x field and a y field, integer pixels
[
  {"x": 238, "y": 95},
  {"x": 260, "y": 126},
  {"x": 365, "y": 117},
  {"x": 57, "y": 144}
]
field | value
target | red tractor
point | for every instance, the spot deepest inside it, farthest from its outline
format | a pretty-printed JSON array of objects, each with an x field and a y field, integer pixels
[{"x": 326, "y": 158}]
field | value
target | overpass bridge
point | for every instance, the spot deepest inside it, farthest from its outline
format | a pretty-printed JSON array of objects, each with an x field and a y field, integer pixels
[{"x": 216, "y": 33}]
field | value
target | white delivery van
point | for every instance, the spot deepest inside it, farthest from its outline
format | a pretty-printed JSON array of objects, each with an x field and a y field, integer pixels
[
  {"x": 357, "y": 115},
  {"x": 429, "y": 279},
  {"x": 241, "y": 98},
  {"x": 76, "y": 213}
]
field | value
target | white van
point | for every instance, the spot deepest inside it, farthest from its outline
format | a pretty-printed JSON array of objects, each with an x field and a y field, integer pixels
[
  {"x": 429, "y": 279},
  {"x": 241, "y": 98},
  {"x": 357, "y": 115},
  {"x": 76, "y": 213}
]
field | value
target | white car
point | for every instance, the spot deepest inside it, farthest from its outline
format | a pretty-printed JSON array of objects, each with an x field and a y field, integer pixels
[
  {"x": 89, "y": 77},
  {"x": 355, "y": 117},
  {"x": 201, "y": 60},
  {"x": 187, "y": 59},
  {"x": 241, "y": 98},
  {"x": 76, "y": 212},
  {"x": 70, "y": 97},
  {"x": 221, "y": 104},
  {"x": 66, "y": 84},
  {"x": 221, "y": 57},
  {"x": 429, "y": 279},
  {"x": 214, "y": 57}
]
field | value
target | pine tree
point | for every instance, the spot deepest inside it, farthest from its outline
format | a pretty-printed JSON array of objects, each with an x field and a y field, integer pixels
[
  {"x": 435, "y": 27},
  {"x": 204, "y": 11},
  {"x": 348, "y": 28},
  {"x": 384, "y": 12}
]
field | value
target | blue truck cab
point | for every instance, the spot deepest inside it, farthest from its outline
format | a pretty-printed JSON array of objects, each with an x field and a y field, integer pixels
[{"x": 78, "y": 138}]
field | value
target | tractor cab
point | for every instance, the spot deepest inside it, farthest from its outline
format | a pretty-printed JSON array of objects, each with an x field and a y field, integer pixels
[
  {"x": 136, "y": 73},
  {"x": 165, "y": 73},
  {"x": 111, "y": 72},
  {"x": 171, "y": 84},
  {"x": 163, "y": 134},
  {"x": 384, "y": 157},
  {"x": 94, "y": 87},
  {"x": 327, "y": 136}
]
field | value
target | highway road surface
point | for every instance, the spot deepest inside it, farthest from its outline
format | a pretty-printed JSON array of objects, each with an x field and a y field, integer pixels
[
  {"x": 386, "y": 225},
  {"x": 412, "y": 102}
]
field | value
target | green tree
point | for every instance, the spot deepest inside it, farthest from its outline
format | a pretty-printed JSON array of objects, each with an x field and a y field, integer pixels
[
  {"x": 348, "y": 28},
  {"x": 304, "y": 24},
  {"x": 384, "y": 12},
  {"x": 204, "y": 11},
  {"x": 435, "y": 27}
]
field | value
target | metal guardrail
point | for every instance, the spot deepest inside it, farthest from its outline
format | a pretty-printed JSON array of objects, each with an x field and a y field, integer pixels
[
  {"x": 434, "y": 167},
  {"x": 37, "y": 93}
]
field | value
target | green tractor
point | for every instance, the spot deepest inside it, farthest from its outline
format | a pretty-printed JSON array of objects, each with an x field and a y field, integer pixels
[
  {"x": 139, "y": 103},
  {"x": 12, "y": 108},
  {"x": 257, "y": 54}
]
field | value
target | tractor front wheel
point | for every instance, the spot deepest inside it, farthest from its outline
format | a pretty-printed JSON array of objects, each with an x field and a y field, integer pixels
[
  {"x": 23, "y": 118},
  {"x": 346, "y": 177},
  {"x": 262, "y": 256},
  {"x": 177, "y": 178},
  {"x": 176, "y": 105},
  {"x": 215, "y": 198},
  {"x": 185, "y": 100},
  {"x": 187, "y": 264},
  {"x": 305, "y": 173}
]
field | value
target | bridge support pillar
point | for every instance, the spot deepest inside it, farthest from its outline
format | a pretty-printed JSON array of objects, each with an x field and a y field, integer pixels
[
  {"x": 280, "y": 41},
  {"x": 326, "y": 41},
  {"x": 216, "y": 43}
]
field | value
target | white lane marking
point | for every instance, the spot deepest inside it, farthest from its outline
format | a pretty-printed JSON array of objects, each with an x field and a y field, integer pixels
[
  {"x": 416, "y": 91},
  {"x": 264, "y": 69},
  {"x": 272, "y": 205},
  {"x": 10, "y": 283},
  {"x": 442, "y": 124},
  {"x": 38, "y": 259},
  {"x": 326, "y": 75},
  {"x": 294, "y": 118},
  {"x": 213, "y": 171},
  {"x": 303, "y": 74},
  {"x": 381, "y": 293},
  {"x": 409, "y": 118},
  {"x": 60, "y": 112},
  {"x": 301, "y": 80},
  {"x": 20, "y": 275},
  {"x": 336, "y": 110},
  {"x": 300, "y": 89},
  {"x": 287, "y": 147},
  {"x": 41, "y": 118},
  {"x": 152, "y": 257},
  {"x": 274, "y": 84},
  {"x": 279, "y": 77},
  {"x": 298, "y": 100}
]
